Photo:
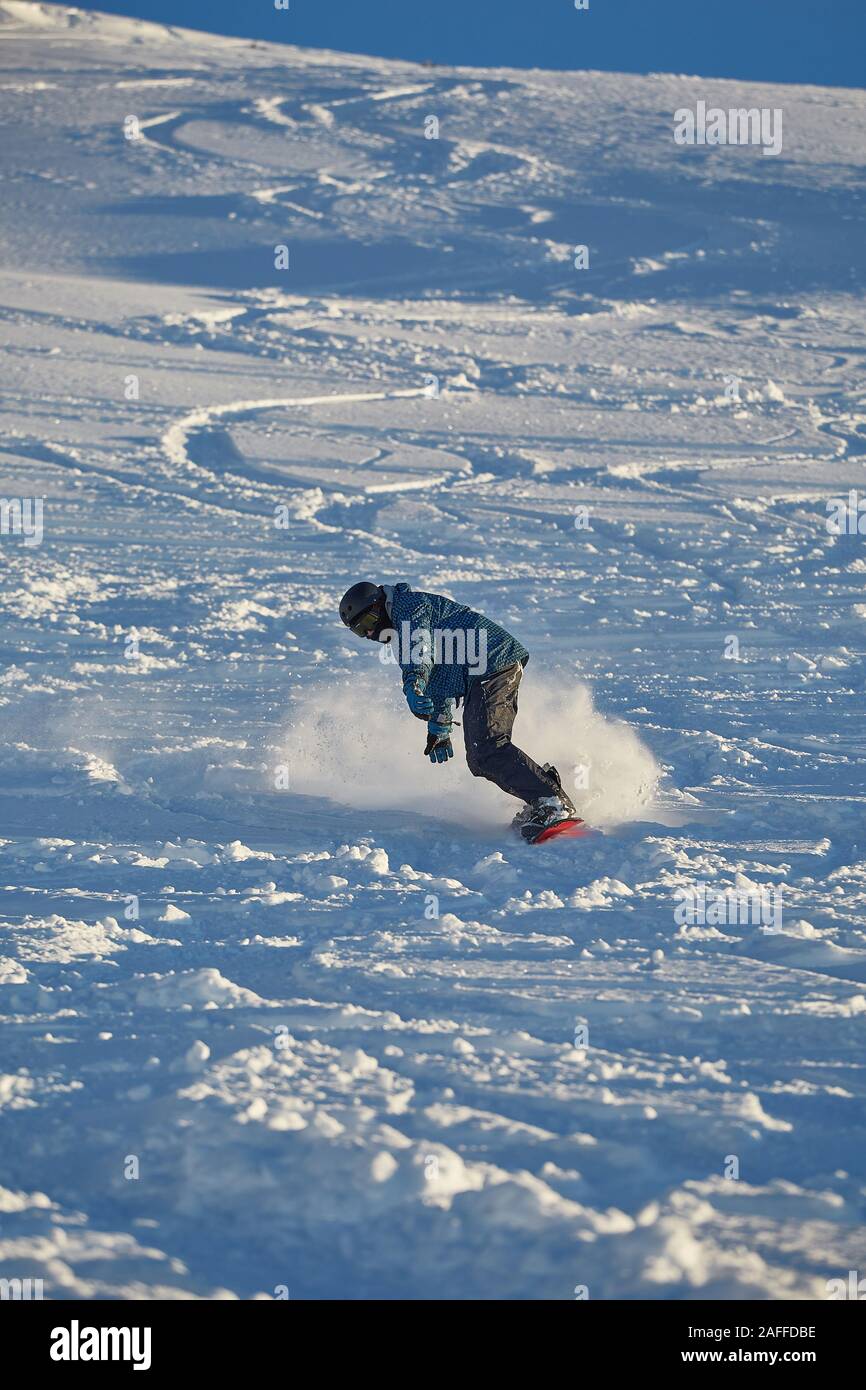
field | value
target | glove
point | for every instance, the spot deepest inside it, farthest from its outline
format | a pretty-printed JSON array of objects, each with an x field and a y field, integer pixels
[
  {"x": 438, "y": 748},
  {"x": 420, "y": 704}
]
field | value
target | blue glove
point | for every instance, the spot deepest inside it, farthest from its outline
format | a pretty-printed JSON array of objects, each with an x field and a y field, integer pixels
[
  {"x": 420, "y": 704},
  {"x": 438, "y": 748}
]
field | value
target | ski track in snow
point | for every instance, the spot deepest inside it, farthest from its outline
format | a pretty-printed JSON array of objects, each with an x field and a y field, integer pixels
[
  {"x": 175, "y": 438},
  {"x": 359, "y": 1041}
]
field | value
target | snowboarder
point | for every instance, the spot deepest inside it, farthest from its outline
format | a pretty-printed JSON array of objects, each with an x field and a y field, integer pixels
[{"x": 448, "y": 652}]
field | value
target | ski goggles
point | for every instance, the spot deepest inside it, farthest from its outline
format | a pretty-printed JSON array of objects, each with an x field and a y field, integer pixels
[{"x": 365, "y": 623}]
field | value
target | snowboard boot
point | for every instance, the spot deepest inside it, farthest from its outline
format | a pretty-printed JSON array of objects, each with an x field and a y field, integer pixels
[
  {"x": 521, "y": 815},
  {"x": 552, "y": 773},
  {"x": 548, "y": 811}
]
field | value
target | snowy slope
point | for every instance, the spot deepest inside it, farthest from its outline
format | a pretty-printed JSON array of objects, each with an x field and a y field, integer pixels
[{"x": 321, "y": 1084}]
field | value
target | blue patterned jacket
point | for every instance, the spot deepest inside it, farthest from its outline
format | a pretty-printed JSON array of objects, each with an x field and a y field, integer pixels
[{"x": 444, "y": 646}]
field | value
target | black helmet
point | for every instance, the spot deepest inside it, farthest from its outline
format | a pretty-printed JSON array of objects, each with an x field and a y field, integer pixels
[{"x": 361, "y": 599}]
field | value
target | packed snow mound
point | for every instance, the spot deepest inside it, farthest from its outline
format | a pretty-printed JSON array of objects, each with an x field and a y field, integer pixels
[
  {"x": 205, "y": 988},
  {"x": 56, "y": 1255},
  {"x": 56, "y": 938},
  {"x": 90, "y": 25}
]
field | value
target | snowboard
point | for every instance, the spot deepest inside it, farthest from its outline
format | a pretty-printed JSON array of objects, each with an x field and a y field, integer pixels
[{"x": 571, "y": 829}]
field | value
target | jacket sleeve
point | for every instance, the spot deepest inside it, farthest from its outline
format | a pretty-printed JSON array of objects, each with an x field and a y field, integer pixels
[{"x": 417, "y": 663}]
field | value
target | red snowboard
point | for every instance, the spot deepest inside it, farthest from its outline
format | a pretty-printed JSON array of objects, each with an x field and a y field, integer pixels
[{"x": 570, "y": 828}]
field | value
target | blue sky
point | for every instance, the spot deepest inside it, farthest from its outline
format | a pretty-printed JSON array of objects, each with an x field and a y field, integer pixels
[{"x": 821, "y": 41}]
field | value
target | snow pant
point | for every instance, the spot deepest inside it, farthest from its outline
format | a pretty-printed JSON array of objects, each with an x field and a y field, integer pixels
[{"x": 489, "y": 712}]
